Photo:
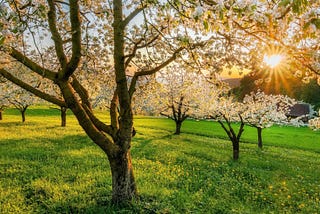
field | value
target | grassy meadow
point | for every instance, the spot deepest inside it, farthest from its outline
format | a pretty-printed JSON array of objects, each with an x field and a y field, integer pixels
[{"x": 45, "y": 168}]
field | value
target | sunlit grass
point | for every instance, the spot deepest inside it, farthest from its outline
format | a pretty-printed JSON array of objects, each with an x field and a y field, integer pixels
[{"x": 49, "y": 169}]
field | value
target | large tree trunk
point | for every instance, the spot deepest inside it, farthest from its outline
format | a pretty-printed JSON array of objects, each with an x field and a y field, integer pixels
[
  {"x": 123, "y": 183},
  {"x": 118, "y": 152},
  {"x": 178, "y": 127},
  {"x": 235, "y": 147},
  {"x": 63, "y": 116},
  {"x": 259, "y": 137}
]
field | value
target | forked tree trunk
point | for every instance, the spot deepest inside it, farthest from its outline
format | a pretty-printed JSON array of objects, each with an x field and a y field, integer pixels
[
  {"x": 233, "y": 136},
  {"x": 178, "y": 127},
  {"x": 259, "y": 129},
  {"x": 63, "y": 111},
  {"x": 123, "y": 183}
]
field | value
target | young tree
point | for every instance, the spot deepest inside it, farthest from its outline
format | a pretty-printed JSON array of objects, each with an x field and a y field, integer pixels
[
  {"x": 220, "y": 107},
  {"x": 21, "y": 100},
  {"x": 262, "y": 111},
  {"x": 228, "y": 113},
  {"x": 178, "y": 95},
  {"x": 181, "y": 94},
  {"x": 12, "y": 95}
]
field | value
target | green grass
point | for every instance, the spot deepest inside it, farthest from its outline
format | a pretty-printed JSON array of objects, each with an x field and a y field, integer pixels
[{"x": 49, "y": 169}]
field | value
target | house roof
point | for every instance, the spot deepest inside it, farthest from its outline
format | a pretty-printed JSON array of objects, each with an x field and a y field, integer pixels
[{"x": 299, "y": 109}]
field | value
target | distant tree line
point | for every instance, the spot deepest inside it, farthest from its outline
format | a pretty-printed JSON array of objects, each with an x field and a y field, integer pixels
[{"x": 286, "y": 84}]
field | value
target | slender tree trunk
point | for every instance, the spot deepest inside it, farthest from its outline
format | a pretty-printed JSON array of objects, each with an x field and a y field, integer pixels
[
  {"x": 0, "y": 115},
  {"x": 178, "y": 127},
  {"x": 63, "y": 116},
  {"x": 235, "y": 147},
  {"x": 235, "y": 138},
  {"x": 23, "y": 115},
  {"x": 259, "y": 137},
  {"x": 123, "y": 183}
]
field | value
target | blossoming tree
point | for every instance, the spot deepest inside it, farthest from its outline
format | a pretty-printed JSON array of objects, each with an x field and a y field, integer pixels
[
  {"x": 182, "y": 94},
  {"x": 228, "y": 113},
  {"x": 135, "y": 38},
  {"x": 20, "y": 99},
  {"x": 179, "y": 93},
  {"x": 221, "y": 107},
  {"x": 262, "y": 111},
  {"x": 314, "y": 123}
]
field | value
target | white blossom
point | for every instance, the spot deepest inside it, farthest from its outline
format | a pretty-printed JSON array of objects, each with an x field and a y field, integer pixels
[
  {"x": 314, "y": 123},
  {"x": 264, "y": 110},
  {"x": 198, "y": 11}
]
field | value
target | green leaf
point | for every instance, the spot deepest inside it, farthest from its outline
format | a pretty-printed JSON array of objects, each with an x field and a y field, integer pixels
[
  {"x": 2, "y": 40},
  {"x": 221, "y": 15},
  {"x": 313, "y": 21},
  {"x": 316, "y": 22},
  {"x": 284, "y": 3},
  {"x": 299, "y": 5},
  {"x": 15, "y": 30},
  {"x": 206, "y": 25}
]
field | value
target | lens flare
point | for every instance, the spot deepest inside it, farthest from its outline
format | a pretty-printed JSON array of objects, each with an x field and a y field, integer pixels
[{"x": 273, "y": 60}]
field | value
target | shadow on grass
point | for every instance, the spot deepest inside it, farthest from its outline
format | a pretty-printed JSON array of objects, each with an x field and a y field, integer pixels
[
  {"x": 103, "y": 205},
  {"x": 26, "y": 124},
  {"x": 12, "y": 124},
  {"x": 37, "y": 112},
  {"x": 68, "y": 174}
]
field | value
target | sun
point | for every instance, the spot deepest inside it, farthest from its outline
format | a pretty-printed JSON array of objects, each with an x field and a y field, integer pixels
[
  {"x": 273, "y": 60},
  {"x": 275, "y": 69}
]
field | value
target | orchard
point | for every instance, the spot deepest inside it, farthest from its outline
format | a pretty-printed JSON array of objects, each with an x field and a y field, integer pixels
[{"x": 157, "y": 58}]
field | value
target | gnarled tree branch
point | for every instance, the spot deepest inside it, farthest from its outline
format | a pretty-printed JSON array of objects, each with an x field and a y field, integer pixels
[
  {"x": 32, "y": 65},
  {"x": 56, "y": 37},
  {"x": 31, "y": 89}
]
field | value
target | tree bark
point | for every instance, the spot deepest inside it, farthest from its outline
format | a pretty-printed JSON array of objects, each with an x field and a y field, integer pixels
[
  {"x": 63, "y": 116},
  {"x": 178, "y": 127},
  {"x": 259, "y": 137},
  {"x": 123, "y": 183},
  {"x": 118, "y": 151},
  {"x": 235, "y": 146},
  {"x": 114, "y": 140},
  {"x": 23, "y": 115},
  {"x": 233, "y": 136}
]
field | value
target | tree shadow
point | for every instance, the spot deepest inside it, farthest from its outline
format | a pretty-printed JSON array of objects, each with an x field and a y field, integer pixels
[{"x": 47, "y": 172}]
